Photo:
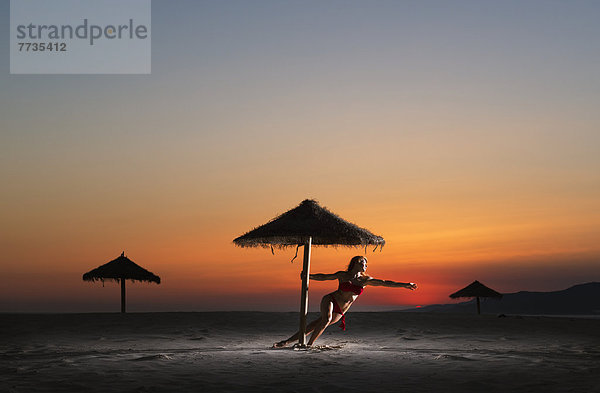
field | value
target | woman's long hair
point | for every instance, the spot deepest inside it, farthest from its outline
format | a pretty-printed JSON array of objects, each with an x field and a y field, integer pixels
[{"x": 355, "y": 260}]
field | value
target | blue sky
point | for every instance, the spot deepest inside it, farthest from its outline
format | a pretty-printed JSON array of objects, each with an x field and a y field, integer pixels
[{"x": 465, "y": 132}]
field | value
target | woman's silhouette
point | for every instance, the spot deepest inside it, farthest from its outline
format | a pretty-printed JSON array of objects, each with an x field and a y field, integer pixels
[{"x": 335, "y": 304}]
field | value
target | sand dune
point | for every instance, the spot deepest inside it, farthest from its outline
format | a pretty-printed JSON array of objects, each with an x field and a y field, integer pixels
[{"x": 416, "y": 352}]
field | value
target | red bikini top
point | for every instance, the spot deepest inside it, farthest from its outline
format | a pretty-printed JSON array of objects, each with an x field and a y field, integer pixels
[{"x": 349, "y": 287}]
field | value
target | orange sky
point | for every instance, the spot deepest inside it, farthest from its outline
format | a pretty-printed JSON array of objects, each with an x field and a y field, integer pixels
[
  {"x": 466, "y": 137},
  {"x": 202, "y": 270}
]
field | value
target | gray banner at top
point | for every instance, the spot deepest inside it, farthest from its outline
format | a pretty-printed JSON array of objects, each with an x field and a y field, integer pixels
[{"x": 80, "y": 37}]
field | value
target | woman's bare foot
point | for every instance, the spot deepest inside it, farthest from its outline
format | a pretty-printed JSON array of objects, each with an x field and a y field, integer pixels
[{"x": 280, "y": 344}]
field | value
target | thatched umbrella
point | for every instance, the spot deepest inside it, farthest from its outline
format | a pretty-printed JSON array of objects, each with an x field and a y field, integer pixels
[
  {"x": 121, "y": 269},
  {"x": 306, "y": 225},
  {"x": 476, "y": 290}
]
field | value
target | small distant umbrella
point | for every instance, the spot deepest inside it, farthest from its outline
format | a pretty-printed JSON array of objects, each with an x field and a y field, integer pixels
[
  {"x": 121, "y": 269},
  {"x": 306, "y": 225},
  {"x": 476, "y": 290}
]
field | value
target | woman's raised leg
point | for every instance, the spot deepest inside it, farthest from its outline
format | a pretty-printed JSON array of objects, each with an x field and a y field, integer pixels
[{"x": 325, "y": 320}]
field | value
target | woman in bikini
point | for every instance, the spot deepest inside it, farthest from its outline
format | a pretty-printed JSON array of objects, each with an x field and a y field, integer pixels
[{"x": 335, "y": 304}]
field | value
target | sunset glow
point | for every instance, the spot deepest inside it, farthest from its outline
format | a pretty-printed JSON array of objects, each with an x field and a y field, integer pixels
[{"x": 468, "y": 137}]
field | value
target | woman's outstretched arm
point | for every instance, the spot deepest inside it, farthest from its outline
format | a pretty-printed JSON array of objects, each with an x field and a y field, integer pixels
[
  {"x": 323, "y": 276},
  {"x": 391, "y": 284}
]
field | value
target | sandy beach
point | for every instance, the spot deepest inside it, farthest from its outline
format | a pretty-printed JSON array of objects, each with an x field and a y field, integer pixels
[{"x": 412, "y": 352}]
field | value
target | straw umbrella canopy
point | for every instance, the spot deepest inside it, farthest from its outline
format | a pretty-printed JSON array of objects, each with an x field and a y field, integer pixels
[
  {"x": 476, "y": 290},
  {"x": 121, "y": 269},
  {"x": 306, "y": 225}
]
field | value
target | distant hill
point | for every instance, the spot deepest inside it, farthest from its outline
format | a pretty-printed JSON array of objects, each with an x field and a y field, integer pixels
[{"x": 583, "y": 299}]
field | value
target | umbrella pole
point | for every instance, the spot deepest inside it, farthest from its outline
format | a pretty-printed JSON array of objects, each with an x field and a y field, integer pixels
[
  {"x": 304, "y": 293},
  {"x": 123, "y": 295},
  {"x": 478, "y": 306}
]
